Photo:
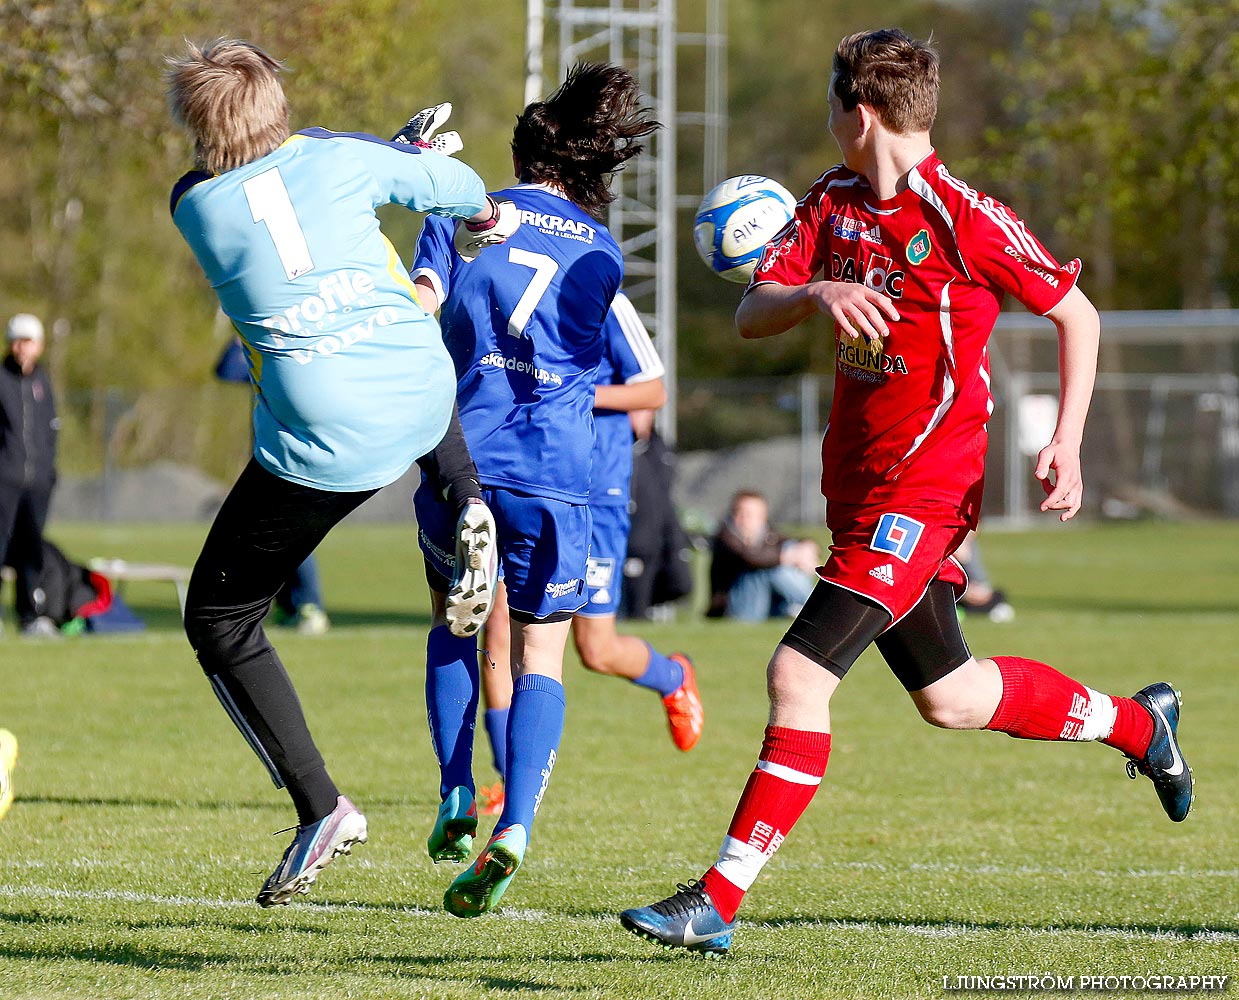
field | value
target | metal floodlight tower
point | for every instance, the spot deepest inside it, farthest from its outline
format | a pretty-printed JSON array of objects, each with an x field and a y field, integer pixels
[{"x": 641, "y": 36}]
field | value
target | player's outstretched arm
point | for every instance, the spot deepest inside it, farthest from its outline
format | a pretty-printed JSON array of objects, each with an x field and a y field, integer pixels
[
  {"x": 630, "y": 396},
  {"x": 1079, "y": 333},
  {"x": 770, "y": 309},
  {"x": 421, "y": 128},
  {"x": 490, "y": 227}
]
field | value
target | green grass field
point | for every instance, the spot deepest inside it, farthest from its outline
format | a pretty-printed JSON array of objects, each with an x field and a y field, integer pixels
[{"x": 143, "y": 825}]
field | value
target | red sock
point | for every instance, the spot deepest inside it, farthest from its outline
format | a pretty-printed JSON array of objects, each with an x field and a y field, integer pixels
[
  {"x": 1039, "y": 703},
  {"x": 1133, "y": 728},
  {"x": 787, "y": 775}
]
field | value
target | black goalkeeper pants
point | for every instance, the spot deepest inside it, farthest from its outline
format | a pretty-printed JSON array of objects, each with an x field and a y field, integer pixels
[{"x": 265, "y": 529}]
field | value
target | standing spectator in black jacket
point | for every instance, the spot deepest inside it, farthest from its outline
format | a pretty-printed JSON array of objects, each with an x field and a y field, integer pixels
[{"x": 28, "y": 427}]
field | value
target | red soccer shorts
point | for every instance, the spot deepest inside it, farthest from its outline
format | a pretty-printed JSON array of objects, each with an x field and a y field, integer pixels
[{"x": 890, "y": 553}]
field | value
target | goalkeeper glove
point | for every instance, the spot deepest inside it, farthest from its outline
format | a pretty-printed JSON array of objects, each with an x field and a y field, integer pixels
[
  {"x": 422, "y": 126},
  {"x": 473, "y": 237}
]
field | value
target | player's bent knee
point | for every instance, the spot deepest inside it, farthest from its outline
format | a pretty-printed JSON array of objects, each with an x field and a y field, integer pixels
[
  {"x": 944, "y": 716},
  {"x": 597, "y": 656},
  {"x": 953, "y": 711},
  {"x": 220, "y": 639},
  {"x": 793, "y": 677}
]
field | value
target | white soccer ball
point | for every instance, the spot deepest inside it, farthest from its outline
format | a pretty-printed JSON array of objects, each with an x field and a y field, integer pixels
[{"x": 736, "y": 220}]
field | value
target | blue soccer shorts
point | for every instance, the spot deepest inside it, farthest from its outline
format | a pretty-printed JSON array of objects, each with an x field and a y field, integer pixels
[
  {"x": 608, "y": 548},
  {"x": 543, "y": 549}
]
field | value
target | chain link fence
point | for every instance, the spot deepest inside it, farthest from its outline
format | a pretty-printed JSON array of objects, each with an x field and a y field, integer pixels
[{"x": 1162, "y": 437}]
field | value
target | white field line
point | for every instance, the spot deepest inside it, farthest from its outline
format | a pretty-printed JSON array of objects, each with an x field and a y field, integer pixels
[
  {"x": 991, "y": 869},
  {"x": 45, "y": 892},
  {"x": 947, "y": 930},
  {"x": 548, "y": 864}
]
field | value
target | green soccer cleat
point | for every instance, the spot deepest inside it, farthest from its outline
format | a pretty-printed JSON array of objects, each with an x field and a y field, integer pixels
[
  {"x": 479, "y": 890},
  {"x": 457, "y": 822}
]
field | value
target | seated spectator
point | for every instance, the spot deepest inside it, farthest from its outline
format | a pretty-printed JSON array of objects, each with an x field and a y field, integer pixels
[{"x": 755, "y": 572}]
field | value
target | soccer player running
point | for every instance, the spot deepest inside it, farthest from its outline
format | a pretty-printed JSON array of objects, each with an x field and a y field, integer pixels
[
  {"x": 352, "y": 382},
  {"x": 630, "y": 377},
  {"x": 914, "y": 266},
  {"x": 524, "y": 328}
]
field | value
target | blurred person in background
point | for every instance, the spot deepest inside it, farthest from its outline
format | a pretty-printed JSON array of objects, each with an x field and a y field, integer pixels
[
  {"x": 658, "y": 566},
  {"x": 28, "y": 427},
  {"x": 981, "y": 598},
  {"x": 756, "y": 572}
]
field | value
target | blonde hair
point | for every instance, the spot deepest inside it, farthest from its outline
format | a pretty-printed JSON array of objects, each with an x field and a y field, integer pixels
[
  {"x": 228, "y": 95},
  {"x": 891, "y": 73}
]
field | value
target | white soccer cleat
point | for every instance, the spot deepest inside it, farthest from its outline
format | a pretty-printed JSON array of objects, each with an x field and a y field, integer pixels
[
  {"x": 314, "y": 847},
  {"x": 312, "y": 620},
  {"x": 472, "y": 593}
]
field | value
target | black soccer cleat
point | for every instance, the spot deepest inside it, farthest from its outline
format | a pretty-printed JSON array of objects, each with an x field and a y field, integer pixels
[
  {"x": 1163, "y": 762},
  {"x": 686, "y": 920}
]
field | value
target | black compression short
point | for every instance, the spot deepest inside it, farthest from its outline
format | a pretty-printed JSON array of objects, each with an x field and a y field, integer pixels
[
  {"x": 835, "y": 627},
  {"x": 927, "y": 643}
]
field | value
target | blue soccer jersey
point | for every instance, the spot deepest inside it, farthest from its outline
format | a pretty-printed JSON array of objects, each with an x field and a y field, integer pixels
[
  {"x": 352, "y": 382},
  {"x": 629, "y": 358},
  {"x": 523, "y": 325}
]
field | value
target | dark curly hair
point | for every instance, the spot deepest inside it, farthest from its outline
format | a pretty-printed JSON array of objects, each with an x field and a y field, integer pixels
[{"x": 580, "y": 135}]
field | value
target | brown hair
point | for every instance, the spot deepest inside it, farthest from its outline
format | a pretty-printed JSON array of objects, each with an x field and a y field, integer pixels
[
  {"x": 583, "y": 133},
  {"x": 893, "y": 74},
  {"x": 747, "y": 494},
  {"x": 228, "y": 95}
]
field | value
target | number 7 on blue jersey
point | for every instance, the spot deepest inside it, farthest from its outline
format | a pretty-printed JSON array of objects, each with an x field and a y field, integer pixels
[{"x": 544, "y": 269}]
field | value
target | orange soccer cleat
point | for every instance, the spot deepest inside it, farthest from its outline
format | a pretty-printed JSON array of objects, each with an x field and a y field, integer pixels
[{"x": 685, "y": 715}]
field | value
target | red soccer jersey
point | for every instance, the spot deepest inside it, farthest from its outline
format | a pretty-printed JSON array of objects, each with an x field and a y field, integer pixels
[{"x": 908, "y": 417}]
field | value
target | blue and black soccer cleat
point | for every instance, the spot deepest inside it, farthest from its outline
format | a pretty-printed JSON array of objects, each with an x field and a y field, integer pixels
[
  {"x": 686, "y": 920},
  {"x": 1163, "y": 762}
]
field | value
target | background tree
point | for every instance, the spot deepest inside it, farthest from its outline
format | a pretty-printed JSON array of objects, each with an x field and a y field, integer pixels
[{"x": 1113, "y": 126}]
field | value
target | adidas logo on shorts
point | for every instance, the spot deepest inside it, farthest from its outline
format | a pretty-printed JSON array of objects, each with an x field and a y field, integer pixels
[{"x": 884, "y": 573}]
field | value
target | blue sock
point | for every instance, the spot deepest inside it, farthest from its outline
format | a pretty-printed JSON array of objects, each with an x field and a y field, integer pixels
[
  {"x": 535, "y": 724},
  {"x": 497, "y": 729},
  {"x": 662, "y": 673},
  {"x": 452, "y": 705}
]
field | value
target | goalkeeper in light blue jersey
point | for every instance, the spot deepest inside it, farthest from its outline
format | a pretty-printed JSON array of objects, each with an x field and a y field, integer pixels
[
  {"x": 352, "y": 383},
  {"x": 524, "y": 327}
]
